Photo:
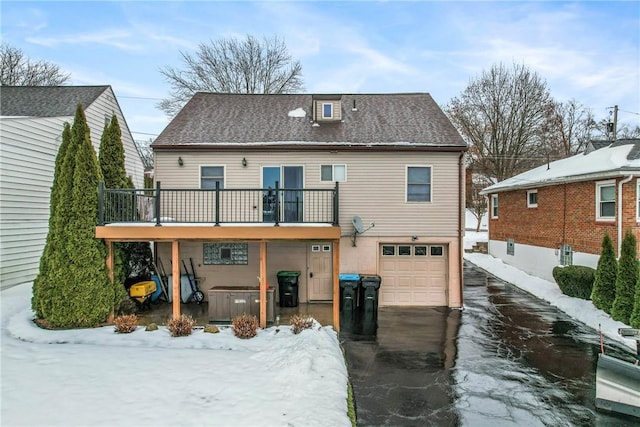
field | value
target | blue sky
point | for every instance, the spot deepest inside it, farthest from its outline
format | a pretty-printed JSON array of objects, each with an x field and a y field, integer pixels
[{"x": 585, "y": 50}]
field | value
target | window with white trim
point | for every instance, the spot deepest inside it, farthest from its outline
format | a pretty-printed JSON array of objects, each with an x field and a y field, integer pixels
[
  {"x": 418, "y": 183},
  {"x": 327, "y": 111},
  {"x": 532, "y": 198},
  {"x": 494, "y": 206},
  {"x": 209, "y": 175},
  {"x": 333, "y": 173},
  {"x": 606, "y": 200}
]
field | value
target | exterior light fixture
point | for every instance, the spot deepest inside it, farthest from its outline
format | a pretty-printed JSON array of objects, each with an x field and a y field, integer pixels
[
  {"x": 180, "y": 162},
  {"x": 244, "y": 162}
]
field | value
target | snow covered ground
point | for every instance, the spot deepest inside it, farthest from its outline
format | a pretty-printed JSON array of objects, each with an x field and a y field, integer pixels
[
  {"x": 97, "y": 377},
  {"x": 100, "y": 378}
]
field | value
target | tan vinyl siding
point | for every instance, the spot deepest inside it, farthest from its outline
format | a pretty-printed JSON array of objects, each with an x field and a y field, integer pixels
[
  {"x": 337, "y": 110},
  {"x": 375, "y": 188}
]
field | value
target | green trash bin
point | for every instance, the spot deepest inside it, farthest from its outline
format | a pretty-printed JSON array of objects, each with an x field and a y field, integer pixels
[{"x": 288, "y": 288}]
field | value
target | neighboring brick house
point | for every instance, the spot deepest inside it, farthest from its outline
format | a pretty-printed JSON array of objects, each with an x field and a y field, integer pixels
[{"x": 559, "y": 212}]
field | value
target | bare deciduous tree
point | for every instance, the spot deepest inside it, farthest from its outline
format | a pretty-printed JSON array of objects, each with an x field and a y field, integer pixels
[
  {"x": 503, "y": 116},
  {"x": 229, "y": 65},
  {"x": 16, "y": 69},
  {"x": 570, "y": 129}
]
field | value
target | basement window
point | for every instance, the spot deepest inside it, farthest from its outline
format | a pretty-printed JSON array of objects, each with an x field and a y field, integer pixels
[{"x": 226, "y": 253}]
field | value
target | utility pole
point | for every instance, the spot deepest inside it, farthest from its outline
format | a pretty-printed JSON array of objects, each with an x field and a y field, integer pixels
[{"x": 613, "y": 126}]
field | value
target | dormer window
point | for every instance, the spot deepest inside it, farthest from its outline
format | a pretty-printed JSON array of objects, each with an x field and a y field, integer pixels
[
  {"x": 327, "y": 111},
  {"x": 327, "y": 108}
]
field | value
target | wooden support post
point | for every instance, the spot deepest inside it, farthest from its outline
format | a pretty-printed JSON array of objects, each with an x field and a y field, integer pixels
[
  {"x": 110, "y": 260},
  {"x": 336, "y": 285},
  {"x": 175, "y": 271},
  {"x": 263, "y": 284},
  {"x": 110, "y": 273}
]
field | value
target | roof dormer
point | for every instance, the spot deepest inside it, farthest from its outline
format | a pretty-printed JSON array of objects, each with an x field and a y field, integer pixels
[{"x": 327, "y": 108}]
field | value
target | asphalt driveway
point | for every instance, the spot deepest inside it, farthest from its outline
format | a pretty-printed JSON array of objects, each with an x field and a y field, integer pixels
[{"x": 506, "y": 359}]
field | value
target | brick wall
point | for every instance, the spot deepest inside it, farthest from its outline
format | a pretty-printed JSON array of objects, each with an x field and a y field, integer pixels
[{"x": 565, "y": 214}]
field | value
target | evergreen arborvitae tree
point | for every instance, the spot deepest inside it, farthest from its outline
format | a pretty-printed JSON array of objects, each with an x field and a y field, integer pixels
[
  {"x": 78, "y": 293},
  {"x": 635, "y": 315},
  {"x": 54, "y": 249},
  {"x": 626, "y": 280},
  {"x": 111, "y": 159},
  {"x": 111, "y": 156},
  {"x": 604, "y": 286}
]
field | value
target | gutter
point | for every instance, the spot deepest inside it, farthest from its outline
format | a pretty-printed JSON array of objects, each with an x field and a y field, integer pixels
[{"x": 620, "y": 184}]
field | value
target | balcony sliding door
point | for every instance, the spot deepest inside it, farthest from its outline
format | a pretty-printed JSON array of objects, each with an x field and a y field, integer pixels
[{"x": 290, "y": 180}]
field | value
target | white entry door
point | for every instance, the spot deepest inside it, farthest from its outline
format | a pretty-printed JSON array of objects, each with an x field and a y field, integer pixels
[{"x": 320, "y": 272}]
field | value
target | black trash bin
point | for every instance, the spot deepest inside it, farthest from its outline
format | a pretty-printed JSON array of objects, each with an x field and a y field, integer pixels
[
  {"x": 288, "y": 288},
  {"x": 369, "y": 295},
  {"x": 349, "y": 287}
]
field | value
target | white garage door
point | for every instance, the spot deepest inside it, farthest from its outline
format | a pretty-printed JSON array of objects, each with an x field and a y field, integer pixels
[{"x": 413, "y": 274}]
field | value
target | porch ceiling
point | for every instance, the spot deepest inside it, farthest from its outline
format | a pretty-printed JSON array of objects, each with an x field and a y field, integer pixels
[{"x": 227, "y": 232}]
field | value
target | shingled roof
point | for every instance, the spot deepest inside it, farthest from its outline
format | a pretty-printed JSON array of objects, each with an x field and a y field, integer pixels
[
  {"x": 617, "y": 159},
  {"x": 46, "y": 101},
  {"x": 409, "y": 120}
]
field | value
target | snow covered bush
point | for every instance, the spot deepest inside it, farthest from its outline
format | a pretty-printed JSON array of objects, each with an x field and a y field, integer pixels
[
  {"x": 126, "y": 324},
  {"x": 575, "y": 280},
  {"x": 245, "y": 326},
  {"x": 182, "y": 326},
  {"x": 299, "y": 323}
]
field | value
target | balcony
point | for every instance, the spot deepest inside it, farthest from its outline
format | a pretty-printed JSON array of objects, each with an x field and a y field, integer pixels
[{"x": 219, "y": 206}]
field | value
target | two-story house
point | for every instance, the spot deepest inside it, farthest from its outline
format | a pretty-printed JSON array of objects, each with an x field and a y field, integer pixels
[
  {"x": 31, "y": 122},
  {"x": 558, "y": 213},
  {"x": 252, "y": 185}
]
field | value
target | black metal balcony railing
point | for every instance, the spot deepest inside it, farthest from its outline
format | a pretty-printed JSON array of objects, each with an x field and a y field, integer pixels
[{"x": 218, "y": 206}]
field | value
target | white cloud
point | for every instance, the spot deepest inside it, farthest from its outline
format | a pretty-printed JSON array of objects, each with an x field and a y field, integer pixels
[{"x": 121, "y": 39}]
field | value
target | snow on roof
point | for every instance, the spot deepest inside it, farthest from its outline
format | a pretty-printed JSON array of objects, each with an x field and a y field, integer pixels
[
  {"x": 298, "y": 112},
  {"x": 603, "y": 163}
]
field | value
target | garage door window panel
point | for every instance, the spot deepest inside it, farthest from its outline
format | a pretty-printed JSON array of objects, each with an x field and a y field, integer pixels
[
  {"x": 420, "y": 250},
  {"x": 404, "y": 250},
  {"x": 388, "y": 250},
  {"x": 437, "y": 251}
]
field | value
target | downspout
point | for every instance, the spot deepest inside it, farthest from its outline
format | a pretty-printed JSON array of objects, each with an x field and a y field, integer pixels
[
  {"x": 620, "y": 184},
  {"x": 461, "y": 199}
]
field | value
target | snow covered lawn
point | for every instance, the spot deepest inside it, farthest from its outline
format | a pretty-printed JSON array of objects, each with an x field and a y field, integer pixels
[{"x": 97, "y": 377}]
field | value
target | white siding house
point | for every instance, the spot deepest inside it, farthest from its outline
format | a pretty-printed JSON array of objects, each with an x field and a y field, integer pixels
[{"x": 31, "y": 124}]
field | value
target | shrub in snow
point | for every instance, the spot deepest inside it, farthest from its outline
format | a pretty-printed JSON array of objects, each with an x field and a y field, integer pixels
[
  {"x": 126, "y": 324},
  {"x": 245, "y": 326},
  {"x": 575, "y": 280},
  {"x": 604, "y": 286},
  {"x": 182, "y": 326},
  {"x": 299, "y": 323},
  {"x": 626, "y": 280}
]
